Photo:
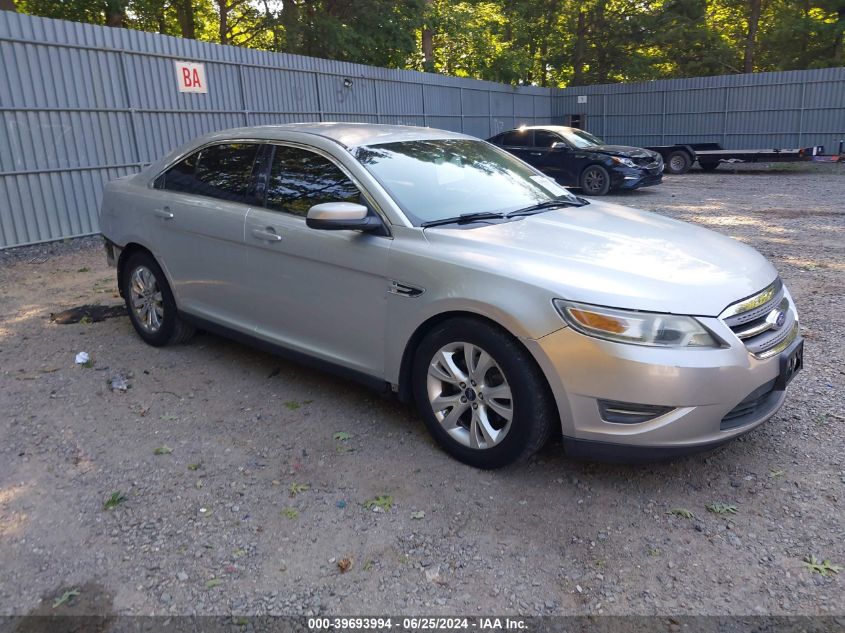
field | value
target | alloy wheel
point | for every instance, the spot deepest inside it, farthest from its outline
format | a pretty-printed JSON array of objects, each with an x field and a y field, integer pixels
[
  {"x": 146, "y": 299},
  {"x": 469, "y": 395}
]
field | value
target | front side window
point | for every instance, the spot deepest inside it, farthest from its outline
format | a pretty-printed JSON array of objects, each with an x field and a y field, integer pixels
[
  {"x": 581, "y": 139},
  {"x": 299, "y": 179},
  {"x": 542, "y": 138},
  {"x": 218, "y": 171},
  {"x": 437, "y": 179}
]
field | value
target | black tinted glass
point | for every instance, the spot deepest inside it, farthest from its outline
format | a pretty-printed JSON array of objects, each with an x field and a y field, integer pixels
[
  {"x": 299, "y": 179},
  {"x": 545, "y": 139},
  {"x": 180, "y": 177},
  {"x": 225, "y": 171},
  {"x": 517, "y": 138},
  {"x": 218, "y": 171}
]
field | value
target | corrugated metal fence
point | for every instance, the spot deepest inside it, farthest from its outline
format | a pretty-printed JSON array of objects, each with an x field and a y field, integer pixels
[
  {"x": 83, "y": 104},
  {"x": 762, "y": 110}
]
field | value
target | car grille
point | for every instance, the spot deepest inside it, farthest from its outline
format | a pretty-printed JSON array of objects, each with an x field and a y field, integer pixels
[
  {"x": 649, "y": 162},
  {"x": 765, "y": 322},
  {"x": 748, "y": 410}
]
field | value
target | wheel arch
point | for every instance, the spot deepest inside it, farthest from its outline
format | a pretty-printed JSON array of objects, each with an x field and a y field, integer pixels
[
  {"x": 130, "y": 249},
  {"x": 405, "y": 390}
]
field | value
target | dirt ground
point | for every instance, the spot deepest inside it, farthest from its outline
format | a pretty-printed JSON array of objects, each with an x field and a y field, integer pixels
[{"x": 239, "y": 496}]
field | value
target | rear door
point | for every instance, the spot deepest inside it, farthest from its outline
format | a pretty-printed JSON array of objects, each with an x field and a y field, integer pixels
[
  {"x": 319, "y": 292},
  {"x": 199, "y": 214}
]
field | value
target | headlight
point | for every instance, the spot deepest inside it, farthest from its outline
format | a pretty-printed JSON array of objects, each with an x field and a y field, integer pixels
[
  {"x": 638, "y": 328},
  {"x": 623, "y": 161}
]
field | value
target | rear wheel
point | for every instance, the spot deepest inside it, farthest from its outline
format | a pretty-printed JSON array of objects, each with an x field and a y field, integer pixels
[
  {"x": 150, "y": 302},
  {"x": 678, "y": 162},
  {"x": 480, "y": 394},
  {"x": 595, "y": 181},
  {"x": 708, "y": 166}
]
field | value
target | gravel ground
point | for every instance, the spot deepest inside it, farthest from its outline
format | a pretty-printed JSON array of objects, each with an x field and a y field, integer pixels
[{"x": 240, "y": 497}]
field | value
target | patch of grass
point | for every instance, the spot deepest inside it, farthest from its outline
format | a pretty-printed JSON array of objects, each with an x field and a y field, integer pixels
[
  {"x": 823, "y": 567},
  {"x": 341, "y": 436},
  {"x": 419, "y": 514},
  {"x": 654, "y": 551},
  {"x": 343, "y": 450},
  {"x": 293, "y": 405},
  {"x": 368, "y": 565},
  {"x": 116, "y": 498},
  {"x": 162, "y": 450},
  {"x": 88, "y": 364},
  {"x": 681, "y": 512},
  {"x": 84, "y": 269},
  {"x": 86, "y": 320},
  {"x": 65, "y": 598},
  {"x": 290, "y": 513},
  {"x": 385, "y": 502},
  {"x": 195, "y": 466},
  {"x": 721, "y": 508},
  {"x": 214, "y": 582},
  {"x": 296, "y": 489},
  {"x": 775, "y": 474}
]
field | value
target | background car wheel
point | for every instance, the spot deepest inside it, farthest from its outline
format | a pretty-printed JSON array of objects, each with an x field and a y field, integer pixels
[
  {"x": 678, "y": 162},
  {"x": 708, "y": 166},
  {"x": 595, "y": 181},
  {"x": 150, "y": 302},
  {"x": 481, "y": 395}
]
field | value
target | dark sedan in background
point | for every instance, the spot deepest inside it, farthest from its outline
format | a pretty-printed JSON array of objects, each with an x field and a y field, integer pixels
[{"x": 576, "y": 158}]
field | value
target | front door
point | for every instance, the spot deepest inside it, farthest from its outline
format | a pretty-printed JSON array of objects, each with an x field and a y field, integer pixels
[{"x": 319, "y": 292}]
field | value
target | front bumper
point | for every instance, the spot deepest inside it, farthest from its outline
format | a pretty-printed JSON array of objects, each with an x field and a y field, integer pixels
[
  {"x": 629, "y": 178},
  {"x": 703, "y": 387}
]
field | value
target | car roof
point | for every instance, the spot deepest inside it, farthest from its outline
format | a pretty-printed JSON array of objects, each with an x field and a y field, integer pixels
[
  {"x": 349, "y": 135},
  {"x": 551, "y": 128}
]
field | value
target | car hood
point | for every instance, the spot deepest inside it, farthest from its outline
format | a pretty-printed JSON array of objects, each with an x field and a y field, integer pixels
[
  {"x": 623, "y": 151},
  {"x": 615, "y": 256}
]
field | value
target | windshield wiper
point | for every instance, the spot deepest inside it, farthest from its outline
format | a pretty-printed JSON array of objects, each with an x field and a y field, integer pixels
[
  {"x": 549, "y": 204},
  {"x": 465, "y": 218}
]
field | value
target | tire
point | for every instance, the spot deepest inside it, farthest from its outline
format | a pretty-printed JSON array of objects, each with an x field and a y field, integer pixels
[
  {"x": 475, "y": 430},
  {"x": 678, "y": 162},
  {"x": 150, "y": 302},
  {"x": 595, "y": 181},
  {"x": 708, "y": 166}
]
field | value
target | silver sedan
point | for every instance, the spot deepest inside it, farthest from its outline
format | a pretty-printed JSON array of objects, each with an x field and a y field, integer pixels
[{"x": 440, "y": 267}]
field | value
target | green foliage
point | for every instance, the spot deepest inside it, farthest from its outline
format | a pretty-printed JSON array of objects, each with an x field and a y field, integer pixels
[
  {"x": 114, "y": 500},
  {"x": 681, "y": 512},
  {"x": 541, "y": 42},
  {"x": 823, "y": 567},
  {"x": 722, "y": 508}
]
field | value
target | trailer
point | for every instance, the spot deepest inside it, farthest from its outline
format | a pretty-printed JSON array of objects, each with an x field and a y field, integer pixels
[{"x": 679, "y": 158}]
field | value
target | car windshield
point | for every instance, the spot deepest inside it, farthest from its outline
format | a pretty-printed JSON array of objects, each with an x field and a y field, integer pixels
[
  {"x": 580, "y": 138},
  {"x": 437, "y": 179}
]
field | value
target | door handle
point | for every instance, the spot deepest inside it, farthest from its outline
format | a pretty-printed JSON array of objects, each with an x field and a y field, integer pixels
[
  {"x": 163, "y": 213},
  {"x": 268, "y": 235},
  {"x": 536, "y": 153}
]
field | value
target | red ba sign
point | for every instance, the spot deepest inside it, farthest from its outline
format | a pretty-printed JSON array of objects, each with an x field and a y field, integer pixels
[{"x": 190, "y": 77}]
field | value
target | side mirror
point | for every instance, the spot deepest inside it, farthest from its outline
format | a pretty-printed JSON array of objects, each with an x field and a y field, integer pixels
[
  {"x": 342, "y": 216},
  {"x": 559, "y": 146}
]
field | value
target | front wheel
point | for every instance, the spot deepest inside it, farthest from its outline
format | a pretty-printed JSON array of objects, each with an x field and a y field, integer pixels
[
  {"x": 595, "y": 181},
  {"x": 481, "y": 395},
  {"x": 150, "y": 302}
]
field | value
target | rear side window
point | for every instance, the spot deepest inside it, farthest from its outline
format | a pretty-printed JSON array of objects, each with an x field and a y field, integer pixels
[
  {"x": 218, "y": 171},
  {"x": 299, "y": 179},
  {"x": 517, "y": 138}
]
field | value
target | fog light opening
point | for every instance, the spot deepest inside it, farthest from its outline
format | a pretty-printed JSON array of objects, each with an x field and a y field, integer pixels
[{"x": 617, "y": 412}]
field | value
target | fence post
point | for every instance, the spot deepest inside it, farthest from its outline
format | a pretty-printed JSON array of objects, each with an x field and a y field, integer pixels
[
  {"x": 801, "y": 114},
  {"x": 243, "y": 94},
  {"x": 128, "y": 96},
  {"x": 319, "y": 99},
  {"x": 725, "y": 120}
]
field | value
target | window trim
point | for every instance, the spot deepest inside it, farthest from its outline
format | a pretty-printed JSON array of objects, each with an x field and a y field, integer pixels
[
  {"x": 526, "y": 146},
  {"x": 559, "y": 138},
  {"x": 198, "y": 150}
]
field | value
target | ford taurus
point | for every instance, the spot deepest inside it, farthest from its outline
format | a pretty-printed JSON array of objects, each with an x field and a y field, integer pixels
[{"x": 442, "y": 268}]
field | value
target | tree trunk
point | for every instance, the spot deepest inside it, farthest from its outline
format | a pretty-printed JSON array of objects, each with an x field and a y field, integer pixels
[
  {"x": 580, "y": 45},
  {"x": 838, "y": 44},
  {"x": 115, "y": 13},
  {"x": 754, "y": 8},
  {"x": 428, "y": 38},
  {"x": 185, "y": 16},
  {"x": 7, "y": 5},
  {"x": 223, "y": 7}
]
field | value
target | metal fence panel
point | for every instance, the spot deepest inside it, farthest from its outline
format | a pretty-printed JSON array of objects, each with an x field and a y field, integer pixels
[{"x": 82, "y": 104}]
